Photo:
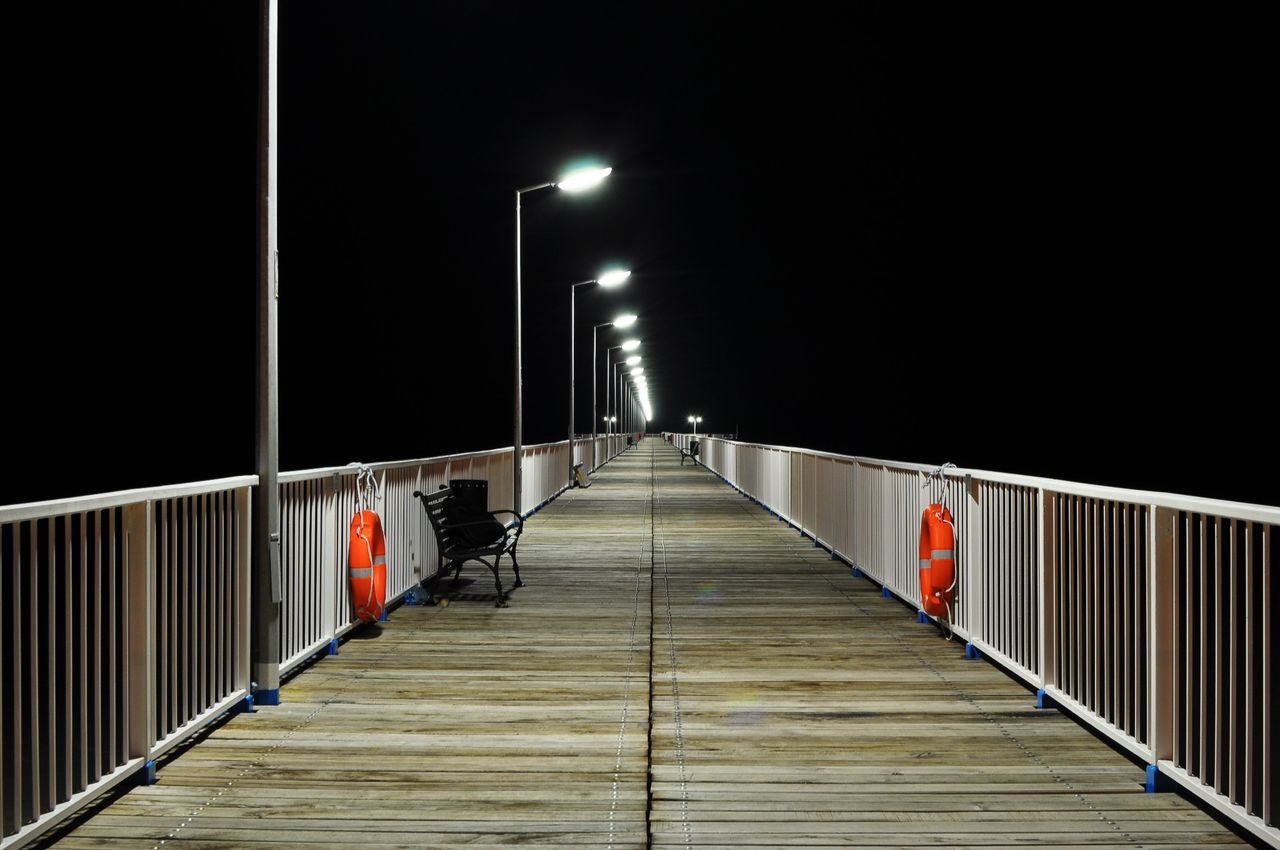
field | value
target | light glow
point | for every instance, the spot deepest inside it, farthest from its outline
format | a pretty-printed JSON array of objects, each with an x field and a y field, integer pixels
[
  {"x": 633, "y": 360},
  {"x": 583, "y": 179},
  {"x": 617, "y": 277},
  {"x": 631, "y": 345},
  {"x": 625, "y": 321}
]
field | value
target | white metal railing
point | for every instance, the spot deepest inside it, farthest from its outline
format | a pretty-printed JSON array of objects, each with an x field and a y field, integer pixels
[
  {"x": 1149, "y": 616},
  {"x": 316, "y": 506},
  {"x": 124, "y": 620},
  {"x": 125, "y": 616}
]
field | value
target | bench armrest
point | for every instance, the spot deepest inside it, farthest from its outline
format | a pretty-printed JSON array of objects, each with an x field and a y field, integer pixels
[
  {"x": 453, "y": 525},
  {"x": 519, "y": 520}
]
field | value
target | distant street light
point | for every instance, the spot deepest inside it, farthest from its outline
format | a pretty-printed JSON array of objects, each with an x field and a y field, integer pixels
[
  {"x": 576, "y": 181},
  {"x": 610, "y": 374},
  {"x": 608, "y": 280},
  {"x": 695, "y": 420},
  {"x": 620, "y": 322}
]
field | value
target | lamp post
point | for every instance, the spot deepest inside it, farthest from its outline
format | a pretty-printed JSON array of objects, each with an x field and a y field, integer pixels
[
  {"x": 608, "y": 280},
  {"x": 264, "y": 638},
  {"x": 695, "y": 420},
  {"x": 628, "y": 345},
  {"x": 620, "y": 322},
  {"x": 637, "y": 378},
  {"x": 630, "y": 361},
  {"x": 577, "y": 181}
]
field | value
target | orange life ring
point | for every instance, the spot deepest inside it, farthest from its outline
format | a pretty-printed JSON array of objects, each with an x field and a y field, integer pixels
[
  {"x": 937, "y": 561},
  {"x": 367, "y": 562}
]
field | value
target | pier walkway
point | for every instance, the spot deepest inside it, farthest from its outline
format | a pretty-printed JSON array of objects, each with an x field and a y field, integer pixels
[{"x": 682, "y": 670}]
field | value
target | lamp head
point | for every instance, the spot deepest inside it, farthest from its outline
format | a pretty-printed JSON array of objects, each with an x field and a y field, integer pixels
[
  {"x": 583, "y": 179},
  {"x": 617, "y": 277}
]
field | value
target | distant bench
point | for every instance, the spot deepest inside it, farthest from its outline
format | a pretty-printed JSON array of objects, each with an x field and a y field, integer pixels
[
  {"x": 691, "y": 453},
  {"x": 466, "y": 530}
]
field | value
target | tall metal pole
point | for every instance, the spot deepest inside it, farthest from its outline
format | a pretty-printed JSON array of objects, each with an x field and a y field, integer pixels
[
  {"x": 265, "y": 618},
  {"x": 595, "y": 380},
  {"x": 573, "y": 297},
  {"x": 517, "y": 450}
]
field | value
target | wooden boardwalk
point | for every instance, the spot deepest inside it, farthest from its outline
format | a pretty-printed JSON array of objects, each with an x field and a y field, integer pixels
[{"x": 682, "y": 670}]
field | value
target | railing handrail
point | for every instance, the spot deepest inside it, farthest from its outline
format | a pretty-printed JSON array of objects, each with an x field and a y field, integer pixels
[
  {"x": 24, "y": 511},
  {"x": 326, "y": 471},
  {"x": 1176, "y": 501},
  {"x": 79, "y": 504}
]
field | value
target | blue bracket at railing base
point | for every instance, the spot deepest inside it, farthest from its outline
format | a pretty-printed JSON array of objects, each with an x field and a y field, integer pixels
[
  {"x": 971, "y": 652},
  {"x": 922, "y": 617},
  {"x": 1043, "y": 700},
  {"x": 147, "y": 776},
  {"x": 246, "y": 704},
  {"x": 857, "y": 572},
  {"x": 816, "y": 544},
  {"x": 383, "y": 617},
  {"x": 267, "y": 696},
  {"x": 1156, "y": 781},
  {"x": 886, "y": 593},
  {"x": 333, "y": 646}
]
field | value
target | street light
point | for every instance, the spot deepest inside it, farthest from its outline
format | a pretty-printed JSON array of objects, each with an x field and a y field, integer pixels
[
  {"x": 576, "y": 181},
  {"x": 624, "y": 321},
  {"x": 582, "y": 179},
  {"x": 695, "y": 420},
  {"x": 608, "y": 280},
  {"x": 628, "y": 345},
  {"x": 639, "y": 394}
]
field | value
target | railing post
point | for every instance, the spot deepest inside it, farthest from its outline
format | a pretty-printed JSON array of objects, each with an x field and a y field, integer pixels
[
  {"x": 1047, "y": 602},
  {"x": 330, "y": 568},
  {"x": 1162, "y": 637},
  {"x": 140, "y": 709},
  {"x": 244, "y": 564},
  {"x": 975, "y": 586}
]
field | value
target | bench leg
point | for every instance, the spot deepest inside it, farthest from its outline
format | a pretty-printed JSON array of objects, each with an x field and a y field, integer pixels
[
  {"x": 497, "y": 580},
  {"x": 457, "y": 570},
  {"x": 515, "y": 567}
]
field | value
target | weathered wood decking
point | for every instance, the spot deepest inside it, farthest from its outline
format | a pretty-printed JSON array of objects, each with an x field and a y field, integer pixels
[{"x": 681, "y": 670}]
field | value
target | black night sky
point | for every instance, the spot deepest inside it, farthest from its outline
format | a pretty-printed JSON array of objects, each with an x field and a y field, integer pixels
[{"x": 1020, "y": 239}]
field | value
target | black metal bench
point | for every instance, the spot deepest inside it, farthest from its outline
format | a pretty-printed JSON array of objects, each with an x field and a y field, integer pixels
[
  {"x": 691, "y": 453},
  {"x": 452, "y": 541}
]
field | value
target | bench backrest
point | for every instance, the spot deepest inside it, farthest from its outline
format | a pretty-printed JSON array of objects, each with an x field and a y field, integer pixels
[
  {"x": 473, "y": 493},
  {"x": 433, "y": 504}
]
